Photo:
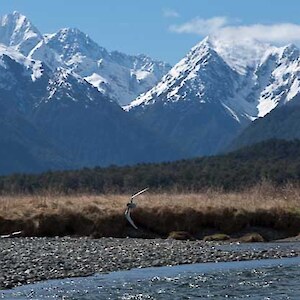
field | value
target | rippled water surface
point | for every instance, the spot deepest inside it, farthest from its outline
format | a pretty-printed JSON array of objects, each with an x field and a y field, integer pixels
[{"x": 262, "y": 279}]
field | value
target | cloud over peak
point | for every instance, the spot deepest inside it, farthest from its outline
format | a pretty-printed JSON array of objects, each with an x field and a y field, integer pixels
[
  {"x": 201, "y": 26},
  {"x": 222, "y": 27}
]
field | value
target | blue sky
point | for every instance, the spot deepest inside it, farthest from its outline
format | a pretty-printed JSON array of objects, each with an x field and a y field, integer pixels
[{"x": 163, "y": 29}]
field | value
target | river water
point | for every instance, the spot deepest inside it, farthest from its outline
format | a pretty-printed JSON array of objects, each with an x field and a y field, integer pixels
[{"x": 260, "y": 279}]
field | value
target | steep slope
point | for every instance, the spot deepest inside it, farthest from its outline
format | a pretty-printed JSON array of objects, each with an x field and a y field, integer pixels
[
  {"x": 190, "y": 104},
  {"x": 22, "y": 146},
  {"x": 281, "y": 123},
  {"x": 93, "y": 128},
  {"x": 211, "y": 95},
  {"x": 18, "y": 32},
  {"x": 24, "y": 149},
  {"x": 56, "y": 120},
  {"x": 22, "y": 81}
]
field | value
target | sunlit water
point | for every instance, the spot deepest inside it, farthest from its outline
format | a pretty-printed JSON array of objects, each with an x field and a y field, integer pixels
[{"x": 260, "y": 279}]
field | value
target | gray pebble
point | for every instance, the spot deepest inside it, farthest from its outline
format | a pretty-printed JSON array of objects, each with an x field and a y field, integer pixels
[{"x": 27, "y": 260}]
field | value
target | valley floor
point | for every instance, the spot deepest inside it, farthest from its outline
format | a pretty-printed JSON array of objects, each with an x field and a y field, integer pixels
[
  {"x": 94, "y": 232},
  {"x": 274, "y": 213}
]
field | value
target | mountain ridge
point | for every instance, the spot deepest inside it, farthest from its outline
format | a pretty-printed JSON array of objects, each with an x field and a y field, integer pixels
[
  {"x": 119, "y": 76},
  {"x": 227, "y": 89},
  {"x": 70, "y": 120},
  {"x": 70, "y": 90}
]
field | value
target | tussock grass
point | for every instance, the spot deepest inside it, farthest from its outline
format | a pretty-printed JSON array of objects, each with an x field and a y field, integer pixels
[{"x": 103, "y": 215}]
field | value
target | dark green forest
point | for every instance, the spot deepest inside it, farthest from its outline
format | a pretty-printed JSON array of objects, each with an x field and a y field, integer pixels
[{"x": 275, "y": 161}]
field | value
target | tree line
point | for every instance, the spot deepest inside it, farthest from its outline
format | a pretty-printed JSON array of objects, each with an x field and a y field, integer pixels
[{"x": 276, "y": 161}]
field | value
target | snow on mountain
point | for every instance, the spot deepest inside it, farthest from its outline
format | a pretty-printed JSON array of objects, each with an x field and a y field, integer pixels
[
  {"x": 31, "y": 68},
  {"x": 54, "y": 118},
  {"x": 263, "y": 77},
  {"x": 240, "y": 55},
  {"x": 283, "y": 84},
  {"x": 189, "y": 105},
  {"x": 45, "y": 54},
  {"x": 65, "y": 84},
  {"x": 226, "y": 83},
  {"x": 18, "y": 32},
  {"x": 270, "y": 75},
  {"x": 121, "y": 77},
  {"x": 201, "y": 76},
  {"x": 31, "y": 83}
]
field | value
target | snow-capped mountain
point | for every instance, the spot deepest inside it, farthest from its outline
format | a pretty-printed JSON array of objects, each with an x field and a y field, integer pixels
[
  {"x": 53, "y": 116},
  {"x": 58, "y": 95},
  {"x": 55, "y": 119},
  {"x": 271, "y": 73},
  {"x": 119, "y": 76},
  {"x": 260, "y": 71},
  {"x": 219, "y": 87},
  {"x": 18, "y": 32}
]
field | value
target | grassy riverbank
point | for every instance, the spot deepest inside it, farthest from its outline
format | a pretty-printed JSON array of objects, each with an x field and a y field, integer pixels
[{"x": 263, "y": 207}]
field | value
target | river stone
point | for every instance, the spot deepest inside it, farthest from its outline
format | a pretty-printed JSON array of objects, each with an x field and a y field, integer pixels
[
  {"x": 253, "y": 237},
  {"x": 181, "y": 235}
]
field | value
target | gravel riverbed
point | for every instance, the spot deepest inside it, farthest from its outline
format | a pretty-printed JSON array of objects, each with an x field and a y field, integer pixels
[{"x": 27, "y": 260}]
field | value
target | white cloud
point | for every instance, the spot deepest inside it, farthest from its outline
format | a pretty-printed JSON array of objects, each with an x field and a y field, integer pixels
[
  {"x": 277, "y": 33},
  {"x": 201, "y": 26},
  {"x": 170, "y": 13},
  {"x": 221, "y": 27}
]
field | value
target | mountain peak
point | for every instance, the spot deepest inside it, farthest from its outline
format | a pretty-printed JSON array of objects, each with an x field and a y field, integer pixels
[
  {"x": 184, "y": 78},
  {"x": 290, "y": 51},
  {"x": 71, "y": 41},
  {"x": 14, "y": 20},
  {"x": 17, "y": 14},
  {"x": 240, "y": 55},
  {"x": 71, "y": 32},
  {"x": 17, "y": 31},
  {"x": 69, "y": 35},
  {"x": 13, "y": 17},
  {"x": 122, "y": 77},
  {"x": 204, "y": 44}
]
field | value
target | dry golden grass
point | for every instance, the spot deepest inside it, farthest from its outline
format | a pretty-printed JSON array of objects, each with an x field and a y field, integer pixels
[
  {"x": 85, "y": 214},
  {"x": 263, "y": 197}
]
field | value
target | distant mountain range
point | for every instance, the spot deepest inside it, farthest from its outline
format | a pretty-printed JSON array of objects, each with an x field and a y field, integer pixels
[
  {"x": 53, "y": 118},
  {"x": 66, "y": 102},
  {"x": 119, "y": 76}
]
